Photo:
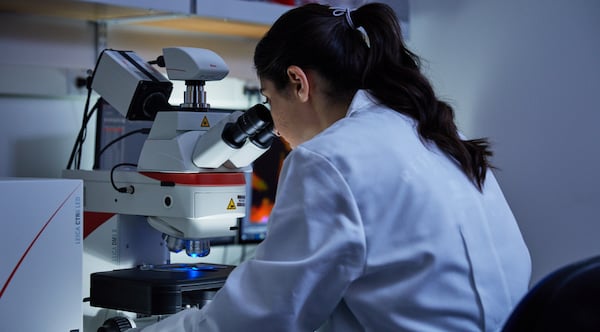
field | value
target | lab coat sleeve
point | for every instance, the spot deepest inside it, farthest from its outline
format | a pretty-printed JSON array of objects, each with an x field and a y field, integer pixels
[{"x": 314, "y": 249}]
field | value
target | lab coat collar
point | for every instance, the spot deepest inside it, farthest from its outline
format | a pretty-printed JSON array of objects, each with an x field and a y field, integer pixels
[{"x": 362, "y": 99}]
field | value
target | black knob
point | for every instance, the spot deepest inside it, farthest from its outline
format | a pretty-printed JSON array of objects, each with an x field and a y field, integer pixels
[{"x": 115, "y": 324}]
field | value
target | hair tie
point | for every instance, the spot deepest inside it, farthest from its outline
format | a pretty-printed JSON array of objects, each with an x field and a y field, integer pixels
[{"x": 339, "y": 11}]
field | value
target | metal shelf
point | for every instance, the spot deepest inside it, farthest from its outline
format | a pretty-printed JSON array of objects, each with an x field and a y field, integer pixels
[{"x": 247, "y": 19}]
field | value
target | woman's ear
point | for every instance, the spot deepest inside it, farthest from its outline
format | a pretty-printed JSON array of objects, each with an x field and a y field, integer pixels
[{"x": 299, "y": 83}]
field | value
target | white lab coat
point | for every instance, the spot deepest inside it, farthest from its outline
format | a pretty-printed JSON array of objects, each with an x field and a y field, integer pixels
[{"x": 373, "y": 230}]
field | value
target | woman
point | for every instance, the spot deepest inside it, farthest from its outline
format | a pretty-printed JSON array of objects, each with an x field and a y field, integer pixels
[{"x": 385, "y": 219}]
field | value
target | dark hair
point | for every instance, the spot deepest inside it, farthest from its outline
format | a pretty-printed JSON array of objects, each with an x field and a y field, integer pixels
[{"x": 311, "y": 37}]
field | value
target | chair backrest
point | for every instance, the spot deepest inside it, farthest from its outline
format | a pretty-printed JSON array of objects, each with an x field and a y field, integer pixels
[{"x": 568, "y": 299}]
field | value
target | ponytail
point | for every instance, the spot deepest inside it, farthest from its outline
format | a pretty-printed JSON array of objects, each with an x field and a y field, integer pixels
[
  {"x": 392, "y": 74},
  {"x": 316, "y": 37}
]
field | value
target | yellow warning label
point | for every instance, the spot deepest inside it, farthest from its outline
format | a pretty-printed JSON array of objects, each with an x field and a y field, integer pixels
[
  {"x": 231, "y": 205},
  {"x": 205, "y": 122}
]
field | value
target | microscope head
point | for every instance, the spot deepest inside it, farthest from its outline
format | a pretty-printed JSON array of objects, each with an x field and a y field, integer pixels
[
  {"x": 194, "y": 64},
  {"x": 139, "y": 91}
]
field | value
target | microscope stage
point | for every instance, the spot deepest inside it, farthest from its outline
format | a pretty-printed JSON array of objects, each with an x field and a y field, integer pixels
[{"x": 157, "y": 289}]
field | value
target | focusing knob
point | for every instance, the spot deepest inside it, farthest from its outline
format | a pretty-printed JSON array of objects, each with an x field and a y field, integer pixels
[{"x": 116, "y": 324}]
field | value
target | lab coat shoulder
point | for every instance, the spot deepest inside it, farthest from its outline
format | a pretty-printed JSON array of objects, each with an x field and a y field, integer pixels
[
  {"x": 314, "y": 202},
  {"x": 413, "y": 196}
]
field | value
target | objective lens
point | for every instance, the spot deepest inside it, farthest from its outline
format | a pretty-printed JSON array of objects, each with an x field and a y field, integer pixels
[
  {"x": 197, "y": 248},
  {"x": 174, "y": 244}
]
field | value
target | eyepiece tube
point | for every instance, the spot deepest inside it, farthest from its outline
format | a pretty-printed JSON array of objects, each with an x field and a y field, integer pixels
[
  {"x": 264, "y": 138},
  {"x": 248, "y": 124}
]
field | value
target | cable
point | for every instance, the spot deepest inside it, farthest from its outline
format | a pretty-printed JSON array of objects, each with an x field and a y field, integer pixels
[
  {"x": 82, "y": 138},
  {"x": 160, "y": 61},
  {"x": 75, "y": 157},
  {"x": 78, "y": 144},
  {"x": 81, "y": 129},
  {"x": 129, "y": 189},
  {"x": 144, "y": 131},
  {"x": 84, "y": 134}
]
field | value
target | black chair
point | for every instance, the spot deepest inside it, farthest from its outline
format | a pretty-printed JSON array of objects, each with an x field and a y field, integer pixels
[{"x": 568, "y": 299}]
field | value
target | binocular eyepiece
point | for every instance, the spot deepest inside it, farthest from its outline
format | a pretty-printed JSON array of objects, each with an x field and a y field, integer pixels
[{"x": 256, "y": 124}]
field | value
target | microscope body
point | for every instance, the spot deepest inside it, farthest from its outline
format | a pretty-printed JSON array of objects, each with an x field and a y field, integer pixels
[
  {"x": 187, "y": 187},
  {"x": 189, "y": 180}
]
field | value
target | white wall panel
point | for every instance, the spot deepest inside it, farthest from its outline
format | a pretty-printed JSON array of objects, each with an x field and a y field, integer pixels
[{"x": 527, "y": 75}]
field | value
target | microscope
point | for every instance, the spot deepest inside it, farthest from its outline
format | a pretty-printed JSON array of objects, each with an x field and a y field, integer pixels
[{"x": 188, "y": 183}]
